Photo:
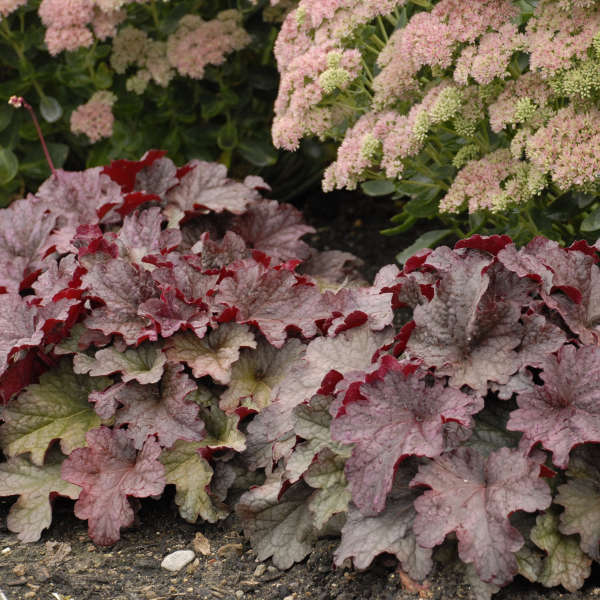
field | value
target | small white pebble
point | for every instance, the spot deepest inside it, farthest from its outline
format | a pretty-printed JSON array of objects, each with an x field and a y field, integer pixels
[
  {"x": 6, "y": 550},
  {"x": 260, "y": 570},
  {"x": 239, "y": 594},
  {"x": 177, "y": 560}
]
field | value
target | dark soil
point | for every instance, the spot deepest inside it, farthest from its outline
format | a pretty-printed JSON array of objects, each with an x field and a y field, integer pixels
[{"x": 65, "y": 565}]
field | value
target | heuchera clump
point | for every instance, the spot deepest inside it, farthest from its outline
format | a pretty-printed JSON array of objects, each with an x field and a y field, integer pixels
[{"x": 168, "y": 326}]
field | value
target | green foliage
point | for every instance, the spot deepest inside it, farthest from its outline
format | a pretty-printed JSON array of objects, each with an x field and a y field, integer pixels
[{"x": 225, "y": 116}]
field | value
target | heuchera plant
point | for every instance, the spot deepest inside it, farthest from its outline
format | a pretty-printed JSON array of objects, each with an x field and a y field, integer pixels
[{"x": 168, "y": 326}]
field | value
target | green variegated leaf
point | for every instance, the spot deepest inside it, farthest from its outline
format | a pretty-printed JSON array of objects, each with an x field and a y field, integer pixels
[
  {"x": 565, "y": 563},
  {"x": 32, "y": 512},
  {"x": 56, "y": 408},
  {"x": 214, "y": 354},
  {"x": 144, "y": 363},
  {"x": 327, "y": 474},
  {"x": 191, "y": 474},
  {"x": 581, "y": 498}
]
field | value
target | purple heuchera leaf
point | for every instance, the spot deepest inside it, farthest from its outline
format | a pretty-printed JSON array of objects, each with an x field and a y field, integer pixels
[
  {"x": 109, "y": 470},
  {"x": 123, "y": 288},
  {"x": 161, "y": 409},
  {"x": 157, "y": 178},
  {"x": 274, "y": 229},
  {"x": 213, "y": 254},
  {"x": 565, "y": 411},
  {"x": 80, "y": 197},
  {"x": 170, "y": 314},
  {"x": 20, "y": 327},
  {"x": 273, "y": 300},
  {"x": 468, "y": 331},
  {"x": 141, "y": 234},
  {"x": 332, "y": 267},
  {"x": 206, "y": 187},
  {"x": 364, "y": 538},
  {"x": 401, "y": 415},
  {"x": 474, "y": 497},
  {"x": 24, "y": 230}
]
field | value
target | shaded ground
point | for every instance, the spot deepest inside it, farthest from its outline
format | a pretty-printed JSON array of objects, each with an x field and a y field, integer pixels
[{"x": 65, "y": 565}]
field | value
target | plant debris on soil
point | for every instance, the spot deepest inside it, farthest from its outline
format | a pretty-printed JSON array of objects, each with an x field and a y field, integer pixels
[{"x": 66, "y": 565}]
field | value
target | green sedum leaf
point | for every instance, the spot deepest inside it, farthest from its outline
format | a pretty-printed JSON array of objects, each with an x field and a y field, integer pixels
[
  {"x": 32, "y": 512},
  {"x": 565, "y": 564},
  {"x": 9, "y": 165},
  {"x": 51, "y": 109},
  {"x": 56, "y": 408},
  {"x": 191, "y": 474}
]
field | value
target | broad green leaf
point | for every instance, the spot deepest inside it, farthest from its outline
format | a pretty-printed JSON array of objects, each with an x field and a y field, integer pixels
[
  {"x": 191, "y": 474},
  {"x": 50, "y": 109},
  {"x": 427, "y": 240},
  {"x": 9, "y": 165},
  {"x": 6, "y": 115},
  {"x": 565, "y": 563},
  {"x": 102, "y": 77},
  {"x": 227, "y": 138},
  {"x": 55, "y": 408},
  {"x": 32, "y": 512},
  {"x": 378, "y": 187},
  {"x": 144, "y": 363},
  {"x": 35, "y": 165}
]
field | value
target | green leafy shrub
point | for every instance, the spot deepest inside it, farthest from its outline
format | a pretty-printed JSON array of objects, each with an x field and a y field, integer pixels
[{"x": 112, "y": 79}]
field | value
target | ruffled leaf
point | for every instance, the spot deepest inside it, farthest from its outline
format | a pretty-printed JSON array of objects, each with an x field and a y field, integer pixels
[
  {"x": 144, "y": 364},
  {"x": 161, "y": 409},
  {"x": 565, "y": 564},
  {"x": 214, "y": 354},
  {"x": 56, "y": 408},
  {"x": 580, "y": 497},
  {"x": 400, "y": 415},
  {"x": 191, "y": 474},
  {"x": 109, "y": 470},
  {"x": 563, "y": 412},
  {"x": 363, "y": 538},
  {"x": 32, "y": 513},
  {"x": 473, "y": 497}
]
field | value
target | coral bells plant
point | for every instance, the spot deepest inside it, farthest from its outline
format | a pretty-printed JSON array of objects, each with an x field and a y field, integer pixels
[
  {"x": 489, "y": 107},
  {"x": 164, "y": 325}
]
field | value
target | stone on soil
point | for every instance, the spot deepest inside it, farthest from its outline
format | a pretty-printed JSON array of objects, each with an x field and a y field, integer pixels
[{"x": 177, "y": 560}]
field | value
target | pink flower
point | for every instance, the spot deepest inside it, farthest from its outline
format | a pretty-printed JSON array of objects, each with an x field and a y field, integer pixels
[
  {"x": 94, "y": 118},
  {"x": 8, "y": 6},
  {"x": 568, "y": 147},
  {"x": 197, "y": 43},
  {"x": 555, "y": 36}
]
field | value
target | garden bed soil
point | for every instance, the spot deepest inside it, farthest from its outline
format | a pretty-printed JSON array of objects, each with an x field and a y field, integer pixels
[{"x": 65, "y": 565}]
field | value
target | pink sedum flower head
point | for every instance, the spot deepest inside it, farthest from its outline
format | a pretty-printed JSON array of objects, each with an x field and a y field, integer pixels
[
  {"x": 197, "y": 43},
  {"x": 95, "y": 118},
  {"x": 8, "y": 6}
]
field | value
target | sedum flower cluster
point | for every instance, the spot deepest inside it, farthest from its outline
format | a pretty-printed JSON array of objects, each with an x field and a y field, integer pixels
[{"x": 493, "y": 103}]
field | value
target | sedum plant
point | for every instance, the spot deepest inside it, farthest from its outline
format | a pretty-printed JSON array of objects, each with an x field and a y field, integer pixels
[
  {"x": 488, "y": 108},
  {"x": 111, "y": 79},
  {"x": 164, "y": 325}
]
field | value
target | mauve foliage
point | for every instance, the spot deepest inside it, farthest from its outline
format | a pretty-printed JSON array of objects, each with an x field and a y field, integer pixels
[{"x": 175, "y": 330}]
